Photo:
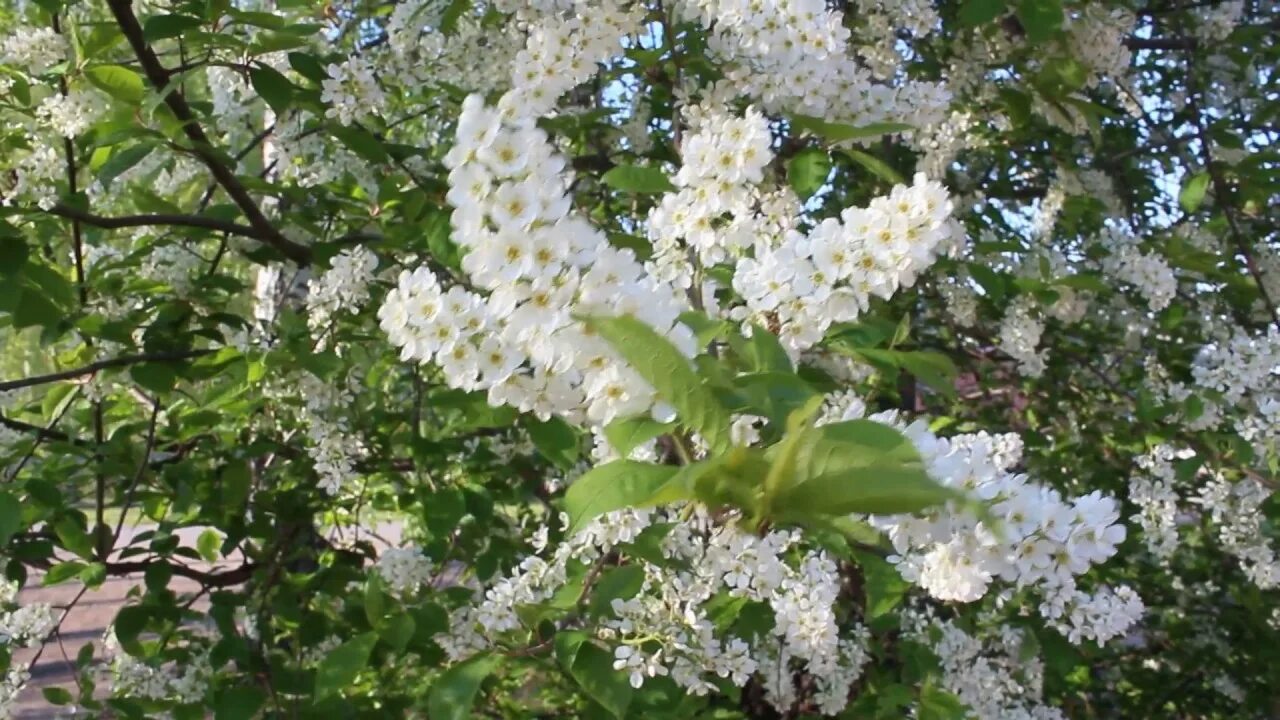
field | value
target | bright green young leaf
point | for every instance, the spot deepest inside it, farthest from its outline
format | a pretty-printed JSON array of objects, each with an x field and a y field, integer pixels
[
  {"x": 340, "y": 667},
  {"x": 872, "y": 490},
  {"x": 613, "y": 486},
  {"x": 1193, "y": 192},
  {"x": 637, "y": 179},
  {"x": 933, "y": 368},
  {"x": 117, "y": 81},
  {"x": 626, "y": 434},
  {"x": 662, "y": 366},
  {"x": 874, "y": 165},
  {"x": 808, "y": 170},
  {"x": 207, "y": 544},
  {"x": 63, "y": 572},
  {"x": 454, "y": 692}
]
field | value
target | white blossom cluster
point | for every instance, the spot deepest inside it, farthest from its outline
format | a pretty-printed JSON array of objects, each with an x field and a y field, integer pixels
[
  {"x": 404, "y": 570},
  {"x": 11, "y": 685},
  {"x": 541, "y": 264},
  {"x": 1097, "y": 38},
  {"x": 173, "y": 265},
  {"x": 990, "y": 675},
  {"x": 71, "y": 115},
  {"x": 722, "y": 159},
  {"x": 1148, "y": 272},
  {"x": 423, "y": 54},
  {"x": 181, "y": 682},
  {"x": 35, "y": 50},
  {"x": 1153, "y": 490},
  {"x": 1042, "y": 540},
  {"x": 1235, "y": 508},
  {"x": 352, "y": 91},
  {"x": 23, "y": 625},
  {"x": 665, "y": 629},
  {"x": 563, "y": 50},
  {"x": 1244, "y": 370},
  {"x": 343, "y": 287},
  {"x": 1020, "y": 332},
  {"x": 1218, "y": 20},
  {"x": 794, "y": 56},
  {"x": 830, "y": 275},
  {"x": 881, "y": 25},
  {"x": 331, "y": 444}
]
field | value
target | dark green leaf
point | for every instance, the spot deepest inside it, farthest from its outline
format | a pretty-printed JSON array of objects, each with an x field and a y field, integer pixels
[
  {"x": 274, "y": 88},
  {"x": 340, "y": 668},
  {"x": 56, "y": 695},
  {"x": 620, "y": 583},
  {"x": 238, "y": 703},
  {"x": 454, "y": 692},
  {"x": 555, "y": 440},
  {"x": 10, "y": 516},
  {"x": 158, "y": 27},
  {"x": 1040, "y": 18},
  {"x": 980, "y": 12}
]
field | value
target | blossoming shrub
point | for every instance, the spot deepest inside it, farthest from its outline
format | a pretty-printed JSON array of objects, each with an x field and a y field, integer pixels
[{"x": 627, "y": 358}]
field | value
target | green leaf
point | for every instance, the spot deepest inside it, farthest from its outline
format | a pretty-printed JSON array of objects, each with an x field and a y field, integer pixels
[
  {"x": 454, "y": 692},
  {"x": 637, "y": 179},
  {"x": 158, "y": 377},
  {"x": 882, "y": 583},
  {"x": 56, "y": 695},
  {"x": 873, "y": 490},
  {"x": 857, "y": 466},
  {"x": 308, "y": 67},
  {"x": 375, "y": 599},
  {"x": 980, "y": 12},
  {"x": 10, "y": 516},
  {"x": 613, "y": 486},
  {"x": 938, "y": 704},
  {"x": 63, "y": 572},
  {"x": 762, "y": 351},
  {"x": 620, "y": 583},
  {"x": 662, "y": 366},
  {"x": 933, "y": 368},
  {"x": 592, "y": 668},
  {"x": 238, "y": 703},
  {"x": 341, "y": 667},
  {"x": 875, "y": 165},
  {"x": 452, "y": 13},
  {"x": 1040, "y": 18},
  {"x": 130, "y": 622},
  {"x": 158, "y": 27},
  {"x": 207, "y": 544},
  {"x": 361, "y": 142},
  {"x": 1193, "y": 192},
  {"x": 121, "y": 161},
  {"x": 93, "y": 574},
  {"x": 626, "y": 434},
  {"x": 398, "y": 631},
  {"x": 117, "y": 81},
  {"x": 837, "y": 132},
  {"x": 274, "y": 87},
  {"x": 555, "y": 440},
  {"x": 807, "y": 171}
]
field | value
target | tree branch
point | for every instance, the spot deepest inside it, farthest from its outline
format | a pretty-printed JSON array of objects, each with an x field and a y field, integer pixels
[
  {"x": 94, "y": 367},
  {"x": 127, "y": 221},
  {"x": 159, "y": 77}
]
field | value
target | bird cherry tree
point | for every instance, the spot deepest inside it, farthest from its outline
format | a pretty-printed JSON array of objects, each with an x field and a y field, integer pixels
[{"x": 704, "y": 358}]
